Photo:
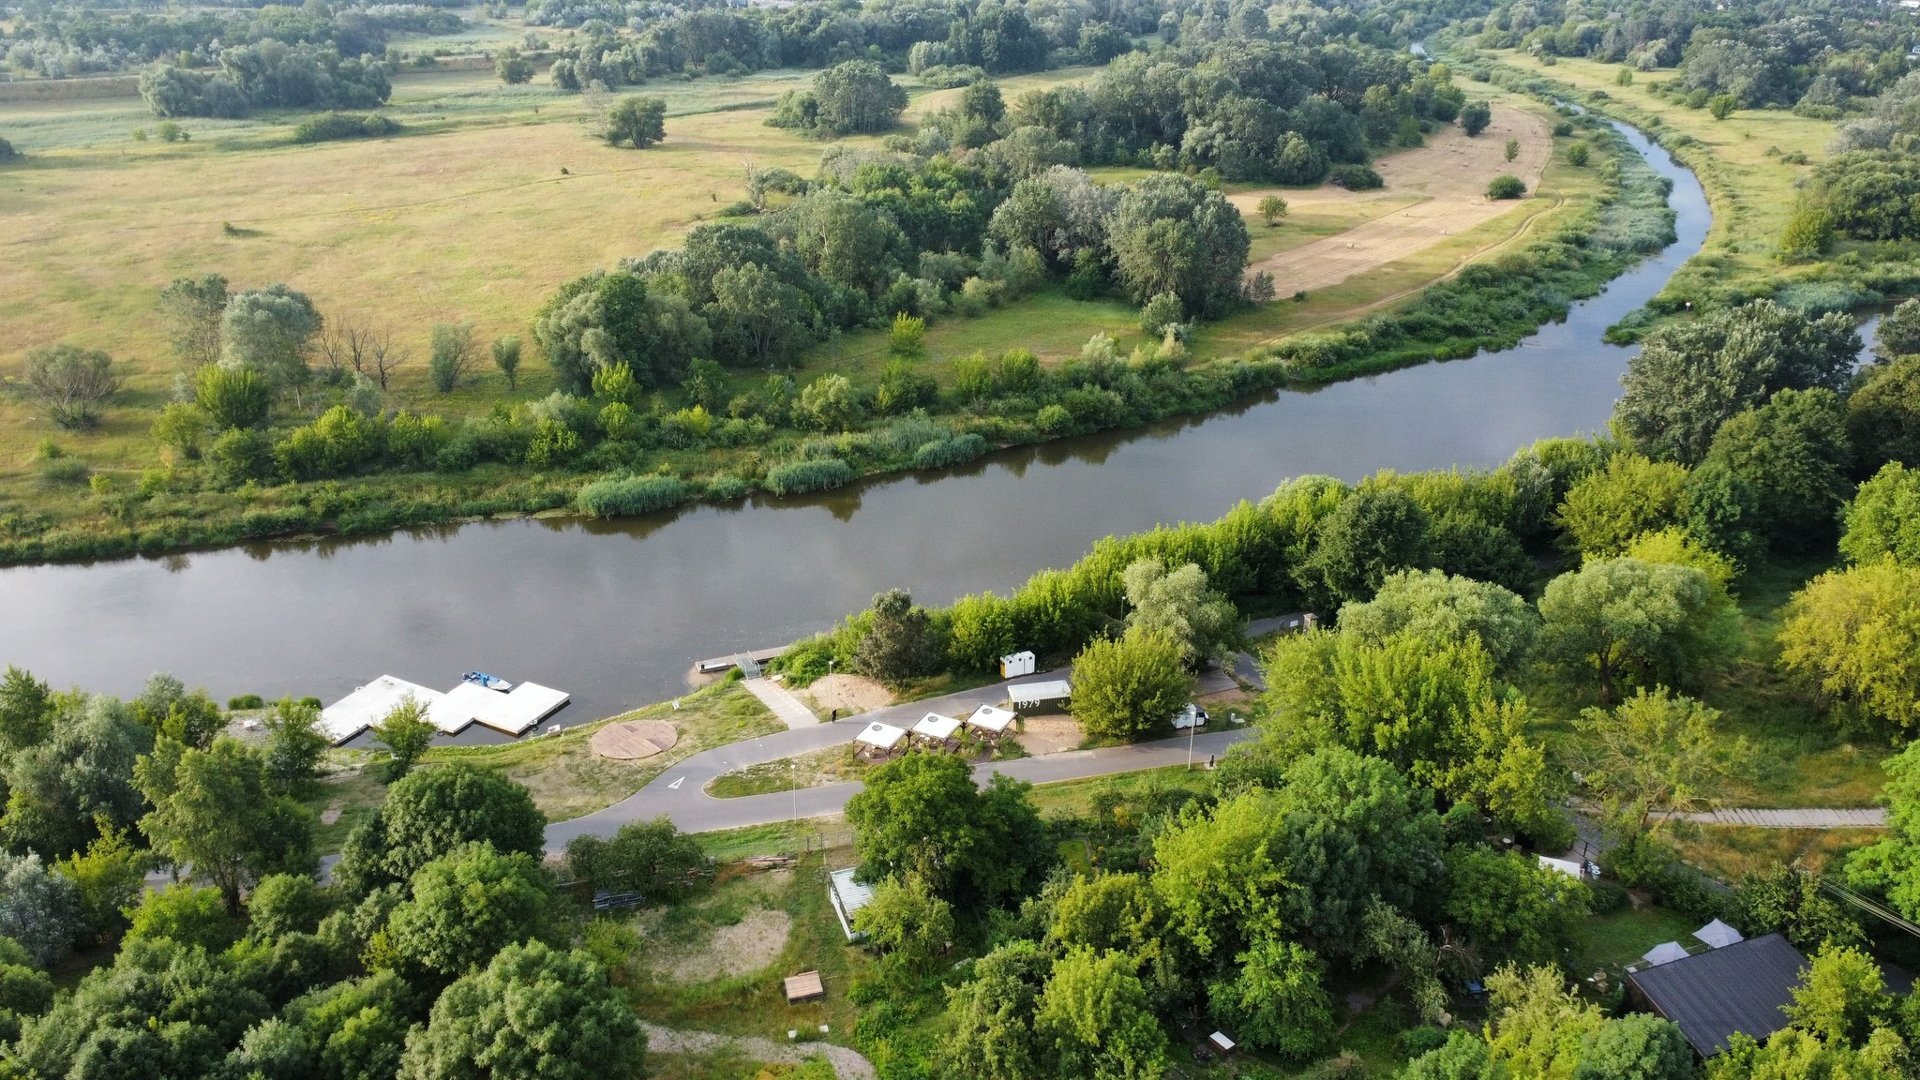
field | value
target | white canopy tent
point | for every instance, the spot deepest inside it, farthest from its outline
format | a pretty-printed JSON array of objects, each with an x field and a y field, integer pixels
[
  {"x": 936, "y": 728},
  {"x": 991, "y": 720},
  {"x": 881, "y": 737},
  {"x": 1665, "y": 953},
  {"x": 1719, "y": 934},
  {"x": 1566, "y": 866}
]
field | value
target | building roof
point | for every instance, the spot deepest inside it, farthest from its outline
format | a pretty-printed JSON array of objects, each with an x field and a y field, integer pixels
[
  {"x": 1036, "y": 692},
  {"x": 1713, "y": 995},
  {"x": 848, "y": 897}
]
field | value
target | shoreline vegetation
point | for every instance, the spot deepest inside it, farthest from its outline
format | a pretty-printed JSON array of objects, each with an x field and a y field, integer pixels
[{"x": 1490, "y": 303}]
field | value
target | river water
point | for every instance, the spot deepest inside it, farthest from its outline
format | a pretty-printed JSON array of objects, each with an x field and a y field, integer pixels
[{"x": 617, "y": 612}]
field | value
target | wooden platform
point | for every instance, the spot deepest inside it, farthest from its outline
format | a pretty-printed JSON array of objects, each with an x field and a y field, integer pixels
[
  {"x": 805, "y": 986},
  {"x": 634, "y": 740}
]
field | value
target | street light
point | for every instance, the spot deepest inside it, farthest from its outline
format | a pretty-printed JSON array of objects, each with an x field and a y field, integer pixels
[{"x": 793, "y": 785}]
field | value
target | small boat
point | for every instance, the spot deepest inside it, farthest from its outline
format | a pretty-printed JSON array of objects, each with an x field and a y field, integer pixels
[{"x": 491, "y": 682}]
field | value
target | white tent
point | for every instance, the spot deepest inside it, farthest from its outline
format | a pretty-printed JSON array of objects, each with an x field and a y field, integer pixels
[
  {"x": 991, "y": 720},
  {"x": 879, "y": 736},
  {"x": 1718, "y": 934},
  {"x": 1665, "y": 953},
  {"x": 1027, "y": 695},
  {"x": 936, "y": 727},
  {"x": 1566, "y": 866}
]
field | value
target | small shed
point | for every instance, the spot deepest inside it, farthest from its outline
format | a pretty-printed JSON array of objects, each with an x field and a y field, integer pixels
[
  {"x": 1033, "y": 694},
  {"x": 991, "y": 721},
  {"x": 936, "y": 729},
  {"x": 1014, "y": 665},
  {"x": 848, "y": 897},
  {"x": 879, "y": 738},
  {"x": 1219, "y": 1041},
  {"x": 1738, "y": 989},
  {"x": 805, "y": 986},
  {"x": 1665, "y": 953},
  {"x": 1719, "y": 935}
]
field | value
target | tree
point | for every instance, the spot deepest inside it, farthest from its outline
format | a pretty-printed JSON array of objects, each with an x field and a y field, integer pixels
[
  {"x": 1842, "y": 996},
  {"x": 463, "y": 908},
  {"x": 1899, "y": 331},
  {"x": 1853, "y": 637},
  {"x": 26, "y": 709},
  {"x": 454, "y": 351},
  {"x": 1272, "y": 208},
  {"x": 1578, "y": 154},
  {"x": 110, "y": 876},
  {"x": 271, "y": 330},
  {"x": 1630, "y": 495},
  {"x": 1375, "y": 532},
  {"x": 506, "y": 357},
  {"x": 900, "y": 642},
  {"x": 649, "y": 857},
  {"x": 907, "y": 922},
  {"x": 1506, "y": 186},
  {"x": 1474, "y": 117},
  {"x": 922, "y": 813},
  {"x": 1792, "y": 456},
  {"x": 534, "y": 1011},
  {"x": 1511, "y": 907},
  {"x": 993, "y": 1032},
  {"x": 406, "y": 733},
  {"x": 1723, "y": 106},
  {"x": 1691, "y": 377},
  {"x": 846, "y": 99},
  {"x": 1891, "y": 866},
  {"x": 65, "y": 791},
  {"x": 194, "y": 307},
  {"x": 828, "y": 403},
  {"x": 69, "y": 383},
  {"x": 1462, "y": 1057},
  {"x": 1655, "y": 755},
  {"x": 757, "y": 317},
  {"x": 1438, "y": 607},
  {"x": 1094, "y": 1021},
  {"x": 1623, "y": 618},
  {"x": 1177, "y": 604},
  {"x": 1790, "y": 900},
  {"x": 602, "y": 319},
  {"x": 1883, "y": 521},
  {"x": 1513, "y": 149},
  {"x": 1172, "y": 234},
  {"x": 234, "y": 397},
  {"x": 40, "y": 909},
  {"x": 213, "y": 813},
  {"x": 1275, "y": 1000},
  {"x": 283, "y": 904},
  {"x": 1883, "y": 415},
  {"x": 184, "y": 914},
  {"x": 510, "y": 67},
  {"x": 1129, "y": 687},
  {"x": 638, "y": 122},
  {"x": 295, "y": 742},
  {"x": 1635, "y": 1047},
  {"x": 427, "y": 814}
]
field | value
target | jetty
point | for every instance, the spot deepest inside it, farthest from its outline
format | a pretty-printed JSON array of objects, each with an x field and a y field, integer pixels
[
  {"x": 747, "y": 660},
  {"x": 513, "y": 712}
]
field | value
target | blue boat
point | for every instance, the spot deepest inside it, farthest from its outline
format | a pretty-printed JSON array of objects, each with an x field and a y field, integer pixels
[{"x": 491, "y": 682}]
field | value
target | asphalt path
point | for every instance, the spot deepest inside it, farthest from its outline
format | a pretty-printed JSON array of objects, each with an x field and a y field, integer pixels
[{"x": 680, "y": 795}]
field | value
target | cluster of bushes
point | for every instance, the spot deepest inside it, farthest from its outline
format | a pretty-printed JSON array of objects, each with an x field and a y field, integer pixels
[
  {"x": 267, "y": 74},
  {"x": 345, "y": 126},
  {"x": 67, "y": 41}
]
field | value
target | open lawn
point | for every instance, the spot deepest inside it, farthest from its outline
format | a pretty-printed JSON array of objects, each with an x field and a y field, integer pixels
[
  {"x": 568, "y": 779},
  {"x": 1731, "y": 852}
]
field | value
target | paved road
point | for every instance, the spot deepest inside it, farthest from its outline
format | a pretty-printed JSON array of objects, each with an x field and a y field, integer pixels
[
  {"x": 680, "y": 792},
  {"x": 1866, "y": 818}
]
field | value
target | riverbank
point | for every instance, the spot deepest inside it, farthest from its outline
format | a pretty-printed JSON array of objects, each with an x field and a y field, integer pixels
[{"x": 75, "y": 515}]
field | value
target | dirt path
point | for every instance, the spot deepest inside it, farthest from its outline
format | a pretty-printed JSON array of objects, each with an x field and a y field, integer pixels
[
  {"x": 1451, "y": 172},
  {"x": 847, "y": 1064}
]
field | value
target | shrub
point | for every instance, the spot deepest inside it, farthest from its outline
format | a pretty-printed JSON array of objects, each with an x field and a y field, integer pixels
[
  {"x": 628, "y": 495},
  {"x": 1506, "y": 186},
  {"x": 246, "y": 701},
  {"x": 64, "y": 470},
  {"x": 1160, "y": 312},
  {"x": 1354, "y": 177},
  {"x": 908, "y": 336},
  {"x": 1578, "y": 154},
  {"x": 334, "y": 125},
  {"x": 953, "y": 450},
  {"x": 7, "y": 152},
  {"x": 799, "y": 477}
]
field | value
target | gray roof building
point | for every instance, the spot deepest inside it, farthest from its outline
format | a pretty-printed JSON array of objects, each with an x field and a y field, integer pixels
[{"x": 1742, "y": 988}]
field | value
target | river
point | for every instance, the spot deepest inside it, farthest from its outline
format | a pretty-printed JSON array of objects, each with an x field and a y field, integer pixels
[{"x": 617, "y": 612}]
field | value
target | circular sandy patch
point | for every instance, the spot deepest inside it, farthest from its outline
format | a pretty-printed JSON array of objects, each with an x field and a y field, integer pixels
[{"x": 634, "y": 740}]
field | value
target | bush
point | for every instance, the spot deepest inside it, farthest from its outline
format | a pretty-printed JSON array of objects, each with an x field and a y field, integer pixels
[
  {"x": 628, "y": 495},
  {"x": 1578, "y": 154},
  {"x": 953, "y": 450},
  {"x": 331, "y": 126},
  {"x": 799, "y": 477},
  {"x": 1506, "y": 186},
  {"x": 7, "y": 152},
  {"x": 246, "y": 701},
  {"x": 1354, "y": 177}
]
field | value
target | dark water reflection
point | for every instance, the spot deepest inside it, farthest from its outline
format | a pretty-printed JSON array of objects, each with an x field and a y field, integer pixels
[{"x": 616, "y": 612}]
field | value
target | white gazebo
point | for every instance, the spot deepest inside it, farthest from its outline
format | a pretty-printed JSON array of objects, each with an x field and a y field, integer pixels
[
  {"x": 991, "y": 721},
  {"x": 1719, "y": 935},
  {"x": 937, "y": 729},
  {"x": 1665, "y": 953},
  {"x": 879, "y": 738}
]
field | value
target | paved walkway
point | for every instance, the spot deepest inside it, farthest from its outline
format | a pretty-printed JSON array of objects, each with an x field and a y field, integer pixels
[
  {"x": 781, "y": 700},
  {"x": 680, "y": 792},
  {"x": 1870, "y": 818},
  {"x": 847, "y": 1064}
]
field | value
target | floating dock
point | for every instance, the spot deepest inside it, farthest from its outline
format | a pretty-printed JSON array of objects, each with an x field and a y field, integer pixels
[
  {"x": 726, "y": 663},
  {"x": 513, "y": 712}
]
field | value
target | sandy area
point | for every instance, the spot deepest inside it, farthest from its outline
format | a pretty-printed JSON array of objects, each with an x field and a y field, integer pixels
[
  {"x": 1049, "y": 734},
  {"x": 849, "y": 693},
  {"x": 750, "y": 945},
  {"x": 1451, "y": 172}
]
